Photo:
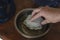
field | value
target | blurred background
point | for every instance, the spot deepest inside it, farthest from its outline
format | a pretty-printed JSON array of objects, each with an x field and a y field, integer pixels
[{"x": 8, "y": 31}]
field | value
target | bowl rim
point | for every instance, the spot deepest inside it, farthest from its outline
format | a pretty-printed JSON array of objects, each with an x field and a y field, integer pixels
[{"x": 26, "y": 36}]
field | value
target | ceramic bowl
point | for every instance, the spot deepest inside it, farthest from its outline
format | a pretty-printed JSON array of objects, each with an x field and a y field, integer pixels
[{"x": 26, "y": 32}]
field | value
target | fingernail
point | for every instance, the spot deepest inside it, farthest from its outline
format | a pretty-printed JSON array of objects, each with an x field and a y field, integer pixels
[{"x": 43, "y": 23}]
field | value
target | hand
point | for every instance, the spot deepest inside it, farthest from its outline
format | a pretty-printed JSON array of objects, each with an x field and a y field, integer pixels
[{"x": 51, "y": 15}]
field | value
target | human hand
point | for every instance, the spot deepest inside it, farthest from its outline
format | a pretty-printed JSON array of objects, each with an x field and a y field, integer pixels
[{"x": 51, "y": 15}]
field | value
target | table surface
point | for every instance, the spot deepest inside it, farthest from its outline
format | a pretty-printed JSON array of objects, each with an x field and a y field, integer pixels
[{"x": 8, "y": 31}]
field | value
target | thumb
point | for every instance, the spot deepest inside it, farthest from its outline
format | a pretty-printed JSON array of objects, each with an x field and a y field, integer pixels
[{"x": 44, "y": 22}]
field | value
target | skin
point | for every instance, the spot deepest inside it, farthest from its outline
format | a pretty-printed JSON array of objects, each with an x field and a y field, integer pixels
[{"x": 51, "y": 15}]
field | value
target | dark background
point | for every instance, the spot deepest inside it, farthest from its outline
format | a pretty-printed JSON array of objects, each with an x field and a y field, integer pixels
[{"x": 8, "y": 31}]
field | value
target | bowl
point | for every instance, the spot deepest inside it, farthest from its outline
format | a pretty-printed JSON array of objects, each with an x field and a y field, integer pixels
[{"x": 24, "y": 30}]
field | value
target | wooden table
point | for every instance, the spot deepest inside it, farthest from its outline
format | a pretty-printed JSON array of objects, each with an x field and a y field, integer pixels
[{"x": 8, "y": 31}]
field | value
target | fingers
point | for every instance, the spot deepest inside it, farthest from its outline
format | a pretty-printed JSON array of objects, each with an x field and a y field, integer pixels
[
  {"x": 36, "y": 16},
  {"x": 38, "y": 10},
  {"x": 35, "y": 11},
  {"x": 45, "y": 22}
]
